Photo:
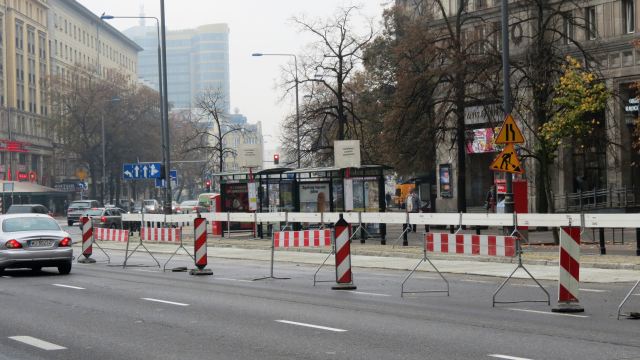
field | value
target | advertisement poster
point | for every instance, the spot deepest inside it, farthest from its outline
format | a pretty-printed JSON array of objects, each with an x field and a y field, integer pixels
[
  {"x": 236, "y": 198},
  {"x": 446, "y": 191},
  {"x": 348, "y": 194},
  {"x": 253, "y": 196},
  {"x": 314, "y": 197},
  {"x": 480, "y": 141}
]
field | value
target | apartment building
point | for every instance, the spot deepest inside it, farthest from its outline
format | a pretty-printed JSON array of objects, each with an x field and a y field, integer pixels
[
  {"x": 79, "y": 38},
  {"x": 604, "y": 29}
]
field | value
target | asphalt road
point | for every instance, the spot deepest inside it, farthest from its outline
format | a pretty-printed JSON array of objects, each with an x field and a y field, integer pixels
[{"x": 102, "y": 311}]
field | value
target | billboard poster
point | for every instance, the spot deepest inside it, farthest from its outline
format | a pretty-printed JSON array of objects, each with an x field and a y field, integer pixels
[
  {"x": 236, "y": 197},
  {"x": 480, "y": 141},
  {"x": 348, "y": 194},
  {"x": 253, "y": 196},
  {"x": 314, "y": 197},
  {"x": 446, "y": 190}
]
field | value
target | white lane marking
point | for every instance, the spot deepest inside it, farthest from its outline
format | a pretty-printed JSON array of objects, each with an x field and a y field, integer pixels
[
  {"x": 499, "y": 356},
  {"x": 69, "y": 286},
  {"x": 367, "y": 293},
  {"x": 41, "y": 344},
  {"x": 310, "y": 325},
  {"x": 230, "y": 279},
  {"x": 165, "y": 301},
  {"x": 595, "y": 290},
  {"x": 6, "y": 277},
  {"x": 549, "y": 313},
  {"x": 145, "y": 270},
  {"x": 477, "y": 281}
]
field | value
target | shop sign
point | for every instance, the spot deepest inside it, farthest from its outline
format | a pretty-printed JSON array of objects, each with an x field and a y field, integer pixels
[
  {"x": 633, "y": 105},
  {"x": 68, "y": 186},
  {"x": 13, "y": 146},
  {"x": 22, "y": 176},
  {"x": 346, "y": 153},
  {"x": 482, "y": 114}
]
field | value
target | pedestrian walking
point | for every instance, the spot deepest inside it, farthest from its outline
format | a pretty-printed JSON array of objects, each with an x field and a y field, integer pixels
[
  {"x": 490, "y": 201},
  {"x": 413, "y": 204}
]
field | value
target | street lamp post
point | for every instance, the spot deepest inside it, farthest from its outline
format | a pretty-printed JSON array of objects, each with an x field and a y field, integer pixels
[
  {"x": 104, "y": 153},
  {"x": 295, "y": 64},
  {"x": 160, "y": 85}
]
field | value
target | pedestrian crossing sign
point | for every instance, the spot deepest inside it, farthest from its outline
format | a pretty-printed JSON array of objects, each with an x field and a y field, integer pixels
[
  {"x": 509, "y": 132},
  {"x": 507, "y": 161}
]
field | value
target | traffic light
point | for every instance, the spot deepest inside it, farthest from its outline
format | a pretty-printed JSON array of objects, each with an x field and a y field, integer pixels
[
  {"x": 207, "y": 185},
  {"x": 276, "y": 159}
]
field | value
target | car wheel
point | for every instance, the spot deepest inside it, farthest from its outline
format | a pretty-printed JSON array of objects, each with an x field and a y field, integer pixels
[
  {"x": 36, "y": 268},
  {"x": 65, "y": 268},
  {"x": 1, "y": 270},
  {"x": 69, "y": 222}
]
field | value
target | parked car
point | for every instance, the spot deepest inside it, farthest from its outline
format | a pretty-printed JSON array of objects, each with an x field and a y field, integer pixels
[
  {"x": 105, "y": 217},
  {"x": 76, "y": 209},
  {"x": 189, "y": 206},
  {"x": 28, "y": 209},
  {"x": 34, "y": 241}
]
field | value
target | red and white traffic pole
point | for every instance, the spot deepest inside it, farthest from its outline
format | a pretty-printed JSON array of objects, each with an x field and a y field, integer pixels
[
  {"x": 200, "y": 247},
  {"x": 344, "y": 277},
  {"x": 569, "y": 281},
  {"x": 87, "y": 240}
]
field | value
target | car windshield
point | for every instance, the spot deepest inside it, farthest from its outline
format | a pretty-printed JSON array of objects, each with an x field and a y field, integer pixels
[
  {"x": 93, "y": 212},
  {"x": 149, "y": 202},
  {"x": 29, "y": 224},
  {"x": 189, "y": 203}
]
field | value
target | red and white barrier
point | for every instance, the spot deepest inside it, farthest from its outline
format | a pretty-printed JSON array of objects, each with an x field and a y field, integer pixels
[
  {"x": 105, "y": 234},
  {"x": 87, "y": 240},
  {"x": 569, "y": 280},
  {"x": 304, "y": 238},
  {"x": 160, "y": 234},
  {"x": 200, "y": 243},
  {"x": 344, "y": 279},
  {"x": 470, "y": 244}
]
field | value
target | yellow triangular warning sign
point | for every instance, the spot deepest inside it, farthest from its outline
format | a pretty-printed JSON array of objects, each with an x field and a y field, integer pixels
[
  {"x": 507, "y": 161},
  {"x": 509, "y": 132}
]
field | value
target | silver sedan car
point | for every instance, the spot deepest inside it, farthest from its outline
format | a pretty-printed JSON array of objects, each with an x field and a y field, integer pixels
[{"x": 34, "y": 241}]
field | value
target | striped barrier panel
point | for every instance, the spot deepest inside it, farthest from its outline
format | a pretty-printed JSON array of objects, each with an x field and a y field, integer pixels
[
  {"x": 569, "y": 280},
  {"x": 304, "y": 238},
  {"x": 160, "y": 234},
  {"x": 105, "y": 234},
  {"x": 470, "y": 244}
]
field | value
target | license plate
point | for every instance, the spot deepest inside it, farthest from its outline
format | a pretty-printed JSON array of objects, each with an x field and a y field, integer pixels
[{"x": 40, "y": 243}]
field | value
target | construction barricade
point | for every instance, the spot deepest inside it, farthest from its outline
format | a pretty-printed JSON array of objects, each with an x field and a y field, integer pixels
[
  {"x": 88, "y": 241},
  {"x": 297, "y": 239},
  {"x": 109, "y": 234}
]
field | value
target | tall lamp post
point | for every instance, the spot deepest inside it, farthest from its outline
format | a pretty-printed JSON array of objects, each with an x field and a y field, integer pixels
[
  {"x": 160, "y": 85},
  {"x": 295, "y": 64},
  {"x": 104, "y": 152}
]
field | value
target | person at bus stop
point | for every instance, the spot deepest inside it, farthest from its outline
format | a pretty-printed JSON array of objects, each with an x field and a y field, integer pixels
[
  {"x": 413, "y": 204},
  {"x": 490, "y": 201}
]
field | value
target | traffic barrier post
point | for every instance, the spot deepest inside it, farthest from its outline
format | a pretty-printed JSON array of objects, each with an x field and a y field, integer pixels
[
  {"x": 425, "y": 258},
  {"x": 569, "y": 280},
  {"x": 87, "y": 241},
  {"x": 200, "y": 248},
  {"x": 342, "y": 249}
]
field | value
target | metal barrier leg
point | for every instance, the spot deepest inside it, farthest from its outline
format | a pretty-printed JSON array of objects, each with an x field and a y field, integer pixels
[
  {"x": 603, "y": 246},
  {"x": 164, "y": 267},
  {"x": 140, "y": 244},
  {"x": 415, "y": 268},
  {"x": 273, "y": 255},
  {"x": 627, "y": 298},
  {"x": 320, "y": 267},
  {"x": 520, "y": 266},
  {"x": 403, "y": 236},
  {"x": 104, "y": 252}
]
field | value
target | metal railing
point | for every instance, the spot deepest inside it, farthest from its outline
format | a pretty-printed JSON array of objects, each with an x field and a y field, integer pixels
[{"x": 611, "y": 198}]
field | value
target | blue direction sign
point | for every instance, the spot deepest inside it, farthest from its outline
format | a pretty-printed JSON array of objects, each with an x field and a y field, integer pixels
[
  {"x": 173, "y": 174},
  {"x": 141, "y": 171}
]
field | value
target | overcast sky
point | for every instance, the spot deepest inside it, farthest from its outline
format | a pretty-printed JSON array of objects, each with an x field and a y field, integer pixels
[{"x": 255, "y": 26}]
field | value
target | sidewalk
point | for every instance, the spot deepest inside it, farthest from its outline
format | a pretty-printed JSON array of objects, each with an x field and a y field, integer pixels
[{"x": 543, "y": 264}]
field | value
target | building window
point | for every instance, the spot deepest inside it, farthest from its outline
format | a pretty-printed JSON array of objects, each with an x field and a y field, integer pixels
[
  {"x": 567, "y": 27},
  {"x": 591, "y": 25},
  {"x": 628, "y": 13}
]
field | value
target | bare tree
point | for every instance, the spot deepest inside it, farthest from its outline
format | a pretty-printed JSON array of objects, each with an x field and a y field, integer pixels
[
  {"x": 211, "y": 127},
  {"x": 326, "y": 71}
]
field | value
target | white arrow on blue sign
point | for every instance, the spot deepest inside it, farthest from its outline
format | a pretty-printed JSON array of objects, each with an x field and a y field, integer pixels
[
  {"x": 140, "y": 171},
  {"x": 173, "y": 175}
]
